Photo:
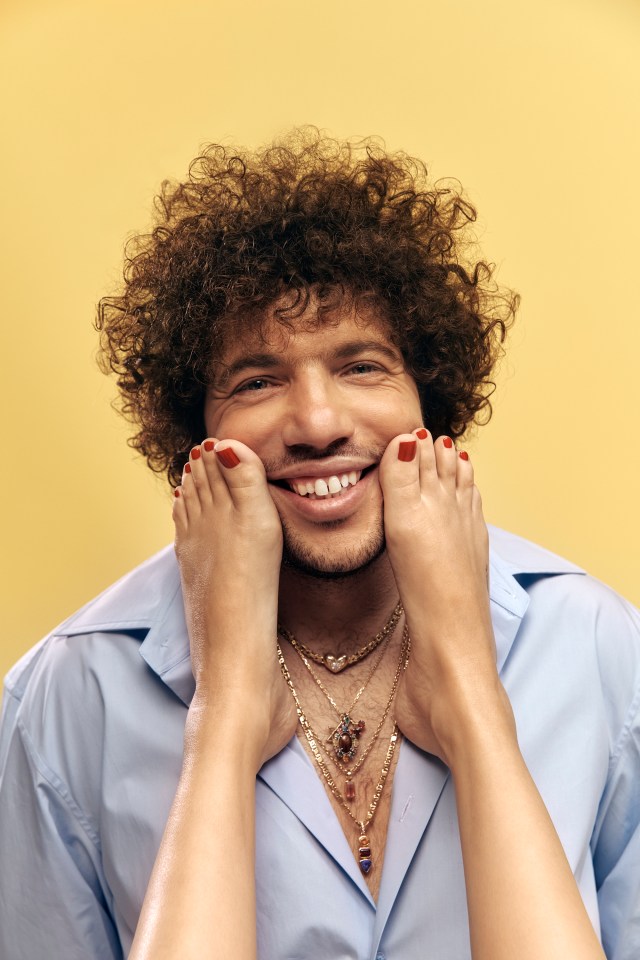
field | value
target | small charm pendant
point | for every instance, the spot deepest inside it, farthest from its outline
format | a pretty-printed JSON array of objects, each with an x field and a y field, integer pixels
[
  {"x": 349, "y": 790},
  {"x": 335, "y": 664},
  {"x": 345, "y": 738},
  {"x": 364, "y": 853}
]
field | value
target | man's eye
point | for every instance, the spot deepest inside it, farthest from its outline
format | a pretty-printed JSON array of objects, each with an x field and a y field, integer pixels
[
  {"x": 364, "y": 368},
  {"x": 257, "y": 384}
]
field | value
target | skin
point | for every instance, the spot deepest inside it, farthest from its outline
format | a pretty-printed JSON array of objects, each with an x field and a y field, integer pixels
[{"x": 313, "y": 402}]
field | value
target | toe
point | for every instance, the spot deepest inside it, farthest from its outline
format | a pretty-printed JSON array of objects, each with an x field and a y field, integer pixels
[
  {"x": 446, "y": 460},
  {"x": 197, "y": 472},
  {"x": 239, "y": 467},
  {"x": 426, "y": 455},
  {"x": 211, "y": 467},
  {"x": 179, "y": 512},
  {"x": 400, "y": 467},
  {"x": 464, "y": 472},
  {"x": 189, "y": 494}
]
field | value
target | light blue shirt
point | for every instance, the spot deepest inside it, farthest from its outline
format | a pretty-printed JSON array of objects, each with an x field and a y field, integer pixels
[{"x": 91, "y": 749}]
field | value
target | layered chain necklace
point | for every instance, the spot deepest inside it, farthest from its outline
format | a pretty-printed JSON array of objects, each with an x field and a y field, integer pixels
[
  {"x": 337, "y": 664},
  {"x": 345, "y": 736}
]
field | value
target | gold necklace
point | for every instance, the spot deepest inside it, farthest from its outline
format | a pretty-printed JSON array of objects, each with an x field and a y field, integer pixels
[
  {"x": 346, "y": 735},
  {"x": 337, "y": 664},
  {"x": 349, "y": 785},
  {"x": 365, "y": 859}
]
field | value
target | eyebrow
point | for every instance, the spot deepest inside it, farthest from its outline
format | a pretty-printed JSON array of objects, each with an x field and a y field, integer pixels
[
  {"x": 362, "y": 346},
  {"x": 269, "y": 361},
  {"x": 265, "y": 361}
]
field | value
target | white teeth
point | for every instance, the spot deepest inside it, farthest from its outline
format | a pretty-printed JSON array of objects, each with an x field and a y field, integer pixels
[{"x": 325, "y": 486}]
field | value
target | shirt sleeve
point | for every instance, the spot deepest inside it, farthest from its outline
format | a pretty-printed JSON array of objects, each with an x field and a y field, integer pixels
[
  {"x": 616, "y": 837},
  {"x": 52, "y": 901}
]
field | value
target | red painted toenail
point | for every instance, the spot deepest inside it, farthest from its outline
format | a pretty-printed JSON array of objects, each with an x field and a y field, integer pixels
[
  {"x": 464, "y": 455},
  {"x": 422, "y": 434},
  {"x": 228, "y": 457},
  {"x": 448, "y": 442},
  {"x": 176, "y": 492},
  {"x": 195, "y": 453},
  {"x": 187, "y": 468},
  {"x": 208, "y": 445},
  {"x": 407, "y": 450}
]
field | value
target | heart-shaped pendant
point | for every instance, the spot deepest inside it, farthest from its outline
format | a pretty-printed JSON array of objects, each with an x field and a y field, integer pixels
[{"x": 335, "y": 664}]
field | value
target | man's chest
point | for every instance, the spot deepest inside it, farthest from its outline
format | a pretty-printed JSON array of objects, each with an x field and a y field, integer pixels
[
  {"x": 362, "y": 812},
  {"x": 348, "y": 731}
]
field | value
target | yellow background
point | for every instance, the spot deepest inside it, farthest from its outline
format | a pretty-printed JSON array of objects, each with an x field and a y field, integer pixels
[{"x": 534, "y": 106}]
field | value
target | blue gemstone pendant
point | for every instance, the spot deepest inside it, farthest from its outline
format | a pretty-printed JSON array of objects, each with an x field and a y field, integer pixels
[{"x": 364, "y": 853}]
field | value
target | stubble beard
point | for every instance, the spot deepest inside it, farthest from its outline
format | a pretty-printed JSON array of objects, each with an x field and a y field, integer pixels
[{"x": 299, "y": 556}]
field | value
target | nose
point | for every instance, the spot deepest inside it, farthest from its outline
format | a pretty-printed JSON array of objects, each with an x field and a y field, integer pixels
[{"x": 318, "y": 414}]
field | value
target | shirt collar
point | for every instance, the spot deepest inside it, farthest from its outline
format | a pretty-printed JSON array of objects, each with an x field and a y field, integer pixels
[{"x": 149, "y": 599}]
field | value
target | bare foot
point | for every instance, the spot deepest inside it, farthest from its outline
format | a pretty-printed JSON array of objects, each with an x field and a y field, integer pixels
[
  {"x": 438, "y": 547},
  {"x": 229, "y": 547}
]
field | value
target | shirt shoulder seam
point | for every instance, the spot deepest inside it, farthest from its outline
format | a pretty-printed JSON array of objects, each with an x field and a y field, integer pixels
[{"x": 10, "y": 690}]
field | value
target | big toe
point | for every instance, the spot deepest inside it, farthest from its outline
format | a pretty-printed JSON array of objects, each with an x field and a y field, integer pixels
[
  {"x": 399, "y": 469},
  {"x": 240, "y": 468}
]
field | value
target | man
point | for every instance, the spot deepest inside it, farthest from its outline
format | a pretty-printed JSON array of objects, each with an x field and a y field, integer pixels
[{"x": 300, "y": 342}]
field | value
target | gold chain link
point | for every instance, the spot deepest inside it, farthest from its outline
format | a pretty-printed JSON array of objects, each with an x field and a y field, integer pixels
[
  {"x": 296, "y": 646},
  {"x": 334, "y": 664}
]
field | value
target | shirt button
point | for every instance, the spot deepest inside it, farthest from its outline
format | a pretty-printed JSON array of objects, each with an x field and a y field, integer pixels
[{"x": 380, "y": 956}]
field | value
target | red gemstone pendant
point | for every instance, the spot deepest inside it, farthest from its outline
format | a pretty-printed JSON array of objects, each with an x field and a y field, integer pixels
[{"x": 345, "y": 738}]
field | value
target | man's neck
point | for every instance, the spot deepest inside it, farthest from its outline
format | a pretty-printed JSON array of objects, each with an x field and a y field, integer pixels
[{"x": 336, "y": 616}]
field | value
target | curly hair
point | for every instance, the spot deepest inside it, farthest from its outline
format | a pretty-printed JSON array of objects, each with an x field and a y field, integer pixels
[{"x": 307, "y": 213}]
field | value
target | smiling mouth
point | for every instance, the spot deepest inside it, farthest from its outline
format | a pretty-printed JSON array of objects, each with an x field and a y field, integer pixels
[{"x": 322, "y": 488}]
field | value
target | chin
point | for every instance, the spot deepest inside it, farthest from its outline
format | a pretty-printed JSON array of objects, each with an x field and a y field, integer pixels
[{"x": 336, "y": 562}]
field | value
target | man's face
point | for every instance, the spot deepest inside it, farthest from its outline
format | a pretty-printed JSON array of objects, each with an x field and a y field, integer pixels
[{"x": 319, "y": 406}]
